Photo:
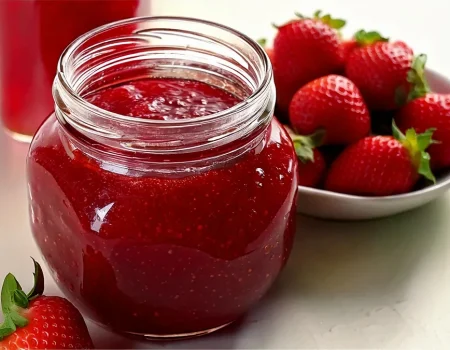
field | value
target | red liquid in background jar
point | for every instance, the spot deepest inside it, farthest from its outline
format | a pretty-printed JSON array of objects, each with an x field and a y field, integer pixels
[
  {"x": 33, "y": 34},
  {"x": 163, "y": 255}
]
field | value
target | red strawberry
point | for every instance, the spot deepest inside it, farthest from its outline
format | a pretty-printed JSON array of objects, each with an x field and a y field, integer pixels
[
  {"x": 427, "y": 110},
  {"x": 379, "y": 68},
  {"x": 430, "y": 111},
  {"x": 305, "y": 49},
  {"x": 333, "y": 103},
  {"x": 312, "y": 166},
  {"x": 311, "y": 171},
  {"x": 33, "y": 321},
  {"x": 382, "y": 165},
  {"x": 348, "y": 47}
]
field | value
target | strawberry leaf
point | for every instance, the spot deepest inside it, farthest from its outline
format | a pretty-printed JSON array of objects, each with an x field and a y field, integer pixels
[
  {"x": 7, "y": 327},
  {"x": 38, "y": 287},
  {"x": 20, "y": 298},
  {"x": 303, "y": 152},
  {"x": 14, "y": 300},
  {"x": 424, "y": 167},
  {"x": 416, "y": 77},
  {"x": 396, "y": 132},
  {"x": 317, "y": 138},
  {"x": 416, "y": 144},
  {"x": 335, "y": 23},
  {"x": 317, "y": 13},
  {"x": 10, "y": 285},
  {"x": 364, "y": 38},
  {"x": 425, "y": 139},
  {"x": 18, "y": 320},
  {"x": 411, "y": 135},
  {"x": 10, "y": 289},
  {"x": 304, "y": 145},
  {"x": 262, "y": 42}
]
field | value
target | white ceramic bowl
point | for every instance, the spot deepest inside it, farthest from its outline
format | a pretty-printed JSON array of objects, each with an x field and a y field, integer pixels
[{"x": 331, "y": 205}]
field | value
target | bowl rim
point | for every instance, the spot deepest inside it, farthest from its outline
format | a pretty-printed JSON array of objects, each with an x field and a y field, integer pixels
[{"x": 409, "y": 195}]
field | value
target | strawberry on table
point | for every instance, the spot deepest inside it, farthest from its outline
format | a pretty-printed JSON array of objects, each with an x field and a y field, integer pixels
[
  {"x": 426, "y": 110},
  {"x": 34, "y": 321},
  {"x": 379, "y": 68},
  {"x": 305, "y": 49},
  {"x": 333, "y": 103},
  {"x": 312, "y": 166},
  {"x": 382, "y": 165}
]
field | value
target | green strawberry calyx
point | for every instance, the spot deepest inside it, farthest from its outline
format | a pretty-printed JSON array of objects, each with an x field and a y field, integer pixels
[
  {"x": 304, "y": 145},
  {"x": 335, "y": 23},
  {"x": 416, "y": 144},
  {"x": 262, "y": 42},
  {"x": 14, "y": 301},
  {"x": 416, "y": 76},
  {"x": 364, "y": 38},
  {"x": 417, "y": 80}
]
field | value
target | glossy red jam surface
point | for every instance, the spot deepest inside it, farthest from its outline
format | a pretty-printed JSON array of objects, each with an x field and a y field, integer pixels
[
  {"x": 164, "y": 99},
  {"x": 33, "y": 34},
  {"x": 158, "y": 254}
]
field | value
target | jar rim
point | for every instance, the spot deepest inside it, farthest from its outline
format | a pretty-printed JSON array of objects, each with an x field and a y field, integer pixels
[{"x": 261, "y": 89}]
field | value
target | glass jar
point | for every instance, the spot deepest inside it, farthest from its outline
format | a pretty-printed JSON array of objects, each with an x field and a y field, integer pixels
[
  {"x": 33, "y": 34},
  {"x": 163, "y": 228}
]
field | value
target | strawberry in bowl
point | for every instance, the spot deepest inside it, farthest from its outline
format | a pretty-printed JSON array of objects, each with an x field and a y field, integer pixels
[
  {"x": 305, "y": 49},
  {"x": 360, "y": 169}
]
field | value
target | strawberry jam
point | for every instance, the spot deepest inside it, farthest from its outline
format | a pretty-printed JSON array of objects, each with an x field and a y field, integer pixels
[
  {"x": 156, "y": 242},
  {"x": 33, "y": 34},
  {"x": 164, "y": 99}
]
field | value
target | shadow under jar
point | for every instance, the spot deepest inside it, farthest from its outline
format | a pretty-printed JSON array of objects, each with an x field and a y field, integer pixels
[{"x": 173, "y": 218}]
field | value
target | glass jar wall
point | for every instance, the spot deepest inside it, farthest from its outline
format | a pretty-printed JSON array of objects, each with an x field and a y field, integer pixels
[{"x": 162, "y": 191}]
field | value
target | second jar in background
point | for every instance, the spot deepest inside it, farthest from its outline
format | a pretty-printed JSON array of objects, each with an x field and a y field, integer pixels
[{"x": 33, "y": 34}]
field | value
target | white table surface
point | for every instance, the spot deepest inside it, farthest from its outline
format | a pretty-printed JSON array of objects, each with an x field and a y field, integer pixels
[{"x": 382, "y": 284}]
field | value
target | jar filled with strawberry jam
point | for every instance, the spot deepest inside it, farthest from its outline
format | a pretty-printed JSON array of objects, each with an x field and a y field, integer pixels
[
  {"x": 33, "y": 34},
  {"x": 162, "y": 190}
]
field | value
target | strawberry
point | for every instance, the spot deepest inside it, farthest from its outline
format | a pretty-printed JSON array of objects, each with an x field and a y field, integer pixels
[
  {"x": 334, "y": 103},
  {"x": 348, "y": 47},
  {"x": 426, "y": 110},
  {"x": 382, "y": 165},
  {"x": 305, "y": 49},
  {"x": 311, "y": 167},
  {"x": 379, "y": 68},
  {"x": 34, "y": 321}
]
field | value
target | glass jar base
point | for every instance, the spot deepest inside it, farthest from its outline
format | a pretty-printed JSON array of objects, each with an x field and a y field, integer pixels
[
  {"x": 181, "y": 336},
  {"x": 18, "y": 137}
]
